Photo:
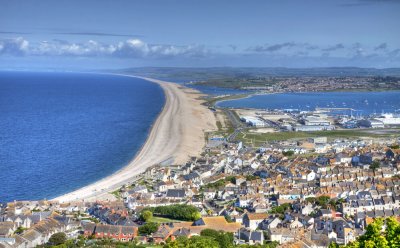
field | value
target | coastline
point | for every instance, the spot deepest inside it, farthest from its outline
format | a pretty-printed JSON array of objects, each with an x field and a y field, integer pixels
[{"x": 177, "y": 132}]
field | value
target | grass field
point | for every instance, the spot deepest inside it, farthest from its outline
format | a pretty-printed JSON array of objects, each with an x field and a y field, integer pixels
[
  {"x": 258, "y": 139},
  {"x": 162, "y": 220}
]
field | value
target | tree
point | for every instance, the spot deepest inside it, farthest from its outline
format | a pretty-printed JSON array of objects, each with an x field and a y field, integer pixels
[
  {"x": 375, "y": 165},
  {"x": 280, "y": 209},
  {"x": 288, "y": 153},
  {"x": 58, "y": 238},
  {"x": 393, "y": 232},
  {"x": 376, "y": 237},
  {"x": 20, "y": 230},
  {"x": 148, "y": 228},
  {"x": 225, "y": 240},
  {"x": 146, "y": 215}
]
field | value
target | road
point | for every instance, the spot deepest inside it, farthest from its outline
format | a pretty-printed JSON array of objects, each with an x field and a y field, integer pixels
[{"x": 237, "y": 124}]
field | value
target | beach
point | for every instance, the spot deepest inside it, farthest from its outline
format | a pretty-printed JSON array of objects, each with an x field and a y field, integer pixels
[{"x": 178, "y": 133}]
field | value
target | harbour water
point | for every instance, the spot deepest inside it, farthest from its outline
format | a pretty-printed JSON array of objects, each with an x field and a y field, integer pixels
[
  {"x": 359, "y": 103},
  {"x": 62, "y": 131}
]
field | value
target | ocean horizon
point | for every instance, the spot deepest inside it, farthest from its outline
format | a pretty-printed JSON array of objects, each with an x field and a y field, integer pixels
[{"x": 62, "y": 131}]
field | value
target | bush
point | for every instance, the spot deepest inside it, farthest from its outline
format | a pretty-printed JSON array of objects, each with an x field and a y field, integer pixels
[
  {"x": 148, "y": 228},
  {"x": 58, "y": 238},
  {"x": 321, "y": 201},
  {"x": 280, "y": 209},
  {"x": 288, "y": 153}
]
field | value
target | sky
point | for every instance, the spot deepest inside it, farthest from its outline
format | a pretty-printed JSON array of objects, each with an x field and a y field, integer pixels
[{"x": 99, "y": 34}]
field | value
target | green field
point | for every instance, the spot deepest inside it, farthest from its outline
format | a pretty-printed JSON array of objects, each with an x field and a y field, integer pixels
[
  {"x": 162, "y": 220},
  {"x": 258, "y": 139}
]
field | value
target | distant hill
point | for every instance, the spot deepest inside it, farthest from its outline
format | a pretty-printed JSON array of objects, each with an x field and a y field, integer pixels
[{"x": 198, "y": 74}]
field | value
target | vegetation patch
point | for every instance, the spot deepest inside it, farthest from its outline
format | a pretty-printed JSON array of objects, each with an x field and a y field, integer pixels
[{"x": 177, "y": 212}]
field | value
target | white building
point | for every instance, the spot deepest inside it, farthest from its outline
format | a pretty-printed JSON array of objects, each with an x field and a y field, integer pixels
[
  {"x": 389, "y": 119},
  {"x": 253, "y": 121}
]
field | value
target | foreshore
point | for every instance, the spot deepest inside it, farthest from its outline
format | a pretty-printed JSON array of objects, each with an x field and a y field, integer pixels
[{"x": 178, "y": 133}]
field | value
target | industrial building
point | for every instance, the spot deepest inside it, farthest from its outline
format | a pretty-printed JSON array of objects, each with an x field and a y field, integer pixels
[
  {"x": 389, "y": 119},
  {"x": 253, "y": 121},
  {"x": 316, "y": 121}
]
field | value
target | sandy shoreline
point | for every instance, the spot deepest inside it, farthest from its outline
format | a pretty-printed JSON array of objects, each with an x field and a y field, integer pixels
[{"x": 178, "y": 132}]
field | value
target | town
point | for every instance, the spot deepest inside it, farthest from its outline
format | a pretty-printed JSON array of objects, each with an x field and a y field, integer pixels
[
  {"x": 200, "y": 124},
  {"x": 277, "y": 194},
  {"x": 266, "y": 82}
]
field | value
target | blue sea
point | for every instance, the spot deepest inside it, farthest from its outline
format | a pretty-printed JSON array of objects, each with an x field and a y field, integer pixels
[
  {"x": 364, "y": 103},
  {"x": 62, "y": 131}
]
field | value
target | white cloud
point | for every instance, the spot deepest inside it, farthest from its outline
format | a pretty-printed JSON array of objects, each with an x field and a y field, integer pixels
[
  {"x": 17, "y": 46},
  {"x": 131, "y": 48}
]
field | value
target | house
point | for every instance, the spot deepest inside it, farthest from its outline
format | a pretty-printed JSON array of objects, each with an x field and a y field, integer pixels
[
  {"x": 271, "y": 222},
  {"x": 343, "y": 230},
  {"x": 21, "y": 220},
  {"x": 281, "y": 235},
  {"x": 175, "y": 194},
  {"x": 7, "y": 228},
  {"x": 325, "y": 213},
  {"x": 218, "y": 223},
  {"x": 296, "y": 224},
  {"x": 181, "y": 232},
  {"x": 163, "y": 233},
  {"x": 32, "y": 238},
  {"x": 251, "y": 237},
  {"x": 389, "y": 154},
  {"x": 209, "y": 194},
  {"x": 193, "y": 177},
  {"x": 243, "y": 201},
  {"x": 101, "y": 231},
  {"x": 253, "y": 220},
  {"x": 164, "y": 186},
  {"x": 366, "y": 158},
  {"x": 138, "y": 189}
]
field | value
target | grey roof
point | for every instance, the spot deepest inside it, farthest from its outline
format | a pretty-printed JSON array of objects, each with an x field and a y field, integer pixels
[
  {"x": 256, "y": 235},
  {"x": 177, "y": 193},
  {"x": 191, "y": 176},
  {"x": 379, "y": 213},
  {"x": 182, "y": 232},
  {"x": 388, "y": 212},
  {"x": 371, "y": 214}
]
